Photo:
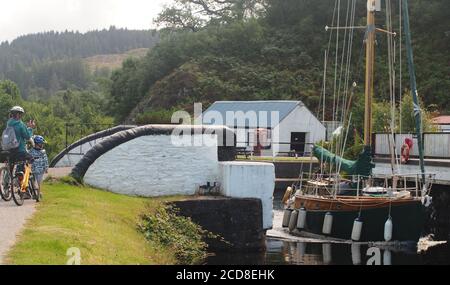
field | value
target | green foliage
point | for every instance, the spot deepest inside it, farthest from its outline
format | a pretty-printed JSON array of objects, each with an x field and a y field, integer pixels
[
  {"x": 83, "y": 109},
  {"x": 155, "y": 117},
  {"x": 275, "y": 54},
  {"x": 10, "y": 88},
  {"x": 9, "y": 97},
  {"x": 353, "y": 152},
  {"x": 52, "y": 61},
  {"x": 67, "y": 180},
  {"x": 192, "y": 15},
  {"x": 382, "y": 114},
  {"x": 184, "y": 237}
]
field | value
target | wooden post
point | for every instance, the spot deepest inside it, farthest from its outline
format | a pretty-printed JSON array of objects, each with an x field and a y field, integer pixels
[{"x": 370, "y": 62}]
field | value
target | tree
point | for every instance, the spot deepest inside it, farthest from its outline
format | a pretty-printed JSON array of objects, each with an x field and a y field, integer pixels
[
  {"x": 195, "y": 14},
  {"x": 10, "y": 88},
  {"x": 408, "y": 120},
  {"x": 9, "y": 96},
  {"x": 179, "y": 18}
]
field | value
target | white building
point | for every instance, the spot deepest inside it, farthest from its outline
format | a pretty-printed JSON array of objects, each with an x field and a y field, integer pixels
[{"x": 284, "y": 127}]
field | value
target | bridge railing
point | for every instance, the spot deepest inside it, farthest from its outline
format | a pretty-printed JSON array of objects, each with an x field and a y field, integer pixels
[{"x": 436, "y": 145}]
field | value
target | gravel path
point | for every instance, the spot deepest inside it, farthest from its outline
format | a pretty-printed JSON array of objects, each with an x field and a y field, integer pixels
[{"x": 13, "y": 218}]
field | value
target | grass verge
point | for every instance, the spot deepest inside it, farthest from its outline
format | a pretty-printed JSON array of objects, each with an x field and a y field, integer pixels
[{"x": 102, "y": 225}]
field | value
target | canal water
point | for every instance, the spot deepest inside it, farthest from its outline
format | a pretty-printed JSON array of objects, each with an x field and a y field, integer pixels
[{"x": 284, "y": 249}]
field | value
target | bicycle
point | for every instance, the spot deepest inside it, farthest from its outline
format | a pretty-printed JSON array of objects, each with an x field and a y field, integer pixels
[
  {"x": 5, "y": 176},
  {"x": 22, "y": 183}
]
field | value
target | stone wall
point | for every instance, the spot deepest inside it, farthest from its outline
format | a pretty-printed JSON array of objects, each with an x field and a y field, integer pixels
[{"x": 238, "y": 221}]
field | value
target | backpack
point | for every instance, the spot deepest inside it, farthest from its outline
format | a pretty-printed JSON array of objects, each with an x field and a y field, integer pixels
[{"x": 9, "y": 139}]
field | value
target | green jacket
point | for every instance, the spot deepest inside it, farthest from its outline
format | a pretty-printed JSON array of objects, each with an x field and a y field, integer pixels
[{"x": 23, "y": 134}]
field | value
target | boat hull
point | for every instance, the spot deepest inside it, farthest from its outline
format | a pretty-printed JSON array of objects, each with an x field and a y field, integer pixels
[{"x": 408, "y": 220}]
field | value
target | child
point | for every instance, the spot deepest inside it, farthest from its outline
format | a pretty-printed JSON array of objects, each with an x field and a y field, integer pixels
[{"x": 40, "y": 163}]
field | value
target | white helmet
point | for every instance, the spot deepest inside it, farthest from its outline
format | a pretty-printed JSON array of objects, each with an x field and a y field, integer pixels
[{"x": 17, "y": 109}]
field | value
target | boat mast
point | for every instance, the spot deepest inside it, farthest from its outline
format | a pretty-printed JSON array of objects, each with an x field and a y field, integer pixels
[{"x": 370, "y": 62}]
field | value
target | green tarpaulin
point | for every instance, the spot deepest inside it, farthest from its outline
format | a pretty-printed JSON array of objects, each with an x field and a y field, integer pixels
[{"x": 363, "y": 166}]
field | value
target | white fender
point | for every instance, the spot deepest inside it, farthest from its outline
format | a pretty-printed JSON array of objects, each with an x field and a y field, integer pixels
[
  {"x": 388, "y": 230},
  {"x": 293, "y": 220},
  {"x": 301, "y": 223},
  {"x": 286, "y": 217},
  {"x": 327, "y": 224},
  {"x": 357, "y": 229}
]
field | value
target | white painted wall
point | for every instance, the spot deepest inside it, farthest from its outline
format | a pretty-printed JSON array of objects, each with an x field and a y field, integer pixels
[
  {"x": 301, "y": 120},
  {"x": 250, "y": 180},
  {"x": 152, "y": 166},
  {"x": 444, "y": 128},
  {"x": 435, "y": 145}
]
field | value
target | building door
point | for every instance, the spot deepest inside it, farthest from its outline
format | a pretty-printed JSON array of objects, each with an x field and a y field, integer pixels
[{"x": 298, "y": 141}]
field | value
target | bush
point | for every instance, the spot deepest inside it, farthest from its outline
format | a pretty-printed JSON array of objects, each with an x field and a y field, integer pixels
[
  {"x": 180, "y": 234},
  {"x": 155, "y": 117}
]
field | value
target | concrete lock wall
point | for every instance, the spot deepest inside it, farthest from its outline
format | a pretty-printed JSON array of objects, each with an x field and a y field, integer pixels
[
  {"x": 250, "y": 180},
  {"x": 151, "y": 166},
  {"x": 442, "y": 173}
]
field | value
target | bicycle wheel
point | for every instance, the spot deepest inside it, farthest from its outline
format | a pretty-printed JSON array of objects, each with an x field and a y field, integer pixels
[
  {"x": 17, "y": 194},
  {"x": 5, "y": 185},
  {"x": 34, "y": 189}
]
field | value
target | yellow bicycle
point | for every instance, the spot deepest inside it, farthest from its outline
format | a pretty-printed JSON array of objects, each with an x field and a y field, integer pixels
[{"x": 23, "y": 184}]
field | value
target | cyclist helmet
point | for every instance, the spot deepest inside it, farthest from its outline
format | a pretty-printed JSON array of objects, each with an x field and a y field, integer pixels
[
  {"x": 39, "y": 140},
  {"x": 17, "y": 109}
]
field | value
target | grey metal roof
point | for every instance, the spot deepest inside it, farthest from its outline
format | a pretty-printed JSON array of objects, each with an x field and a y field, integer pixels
[{"x": 259, "y": 107}]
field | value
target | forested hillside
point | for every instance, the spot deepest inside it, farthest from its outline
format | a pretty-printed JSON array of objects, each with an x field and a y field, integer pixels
[
  {"x": 256, "y": 49},
  {"x": 62, "y": 79},
  {"x": 213, "y": 50},
  {"x": 42, "y": 64}
]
